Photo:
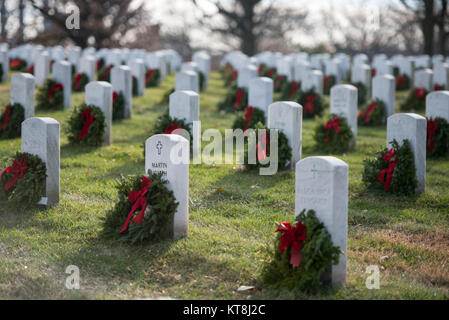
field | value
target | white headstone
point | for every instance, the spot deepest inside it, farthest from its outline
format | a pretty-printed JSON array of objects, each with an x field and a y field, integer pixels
[
  {"x": 260, "y": 93},
  {"x": 42, "y": 68},
  {"x": 187, "y": 81},
  {"x": 203, "y": 61},
  {"x": 63, "y": 74},
  {"x": 170, "y": 154},
  {"x": 246, "y": 74},
  {"x": 22, "y": 92},
  {"x": 40, "y": 137},
  {"x": 88, "y": 65},
  {"x": 384, "y": 89},
  {"x": 424, "y": 79},
  {"x": 437, "y": 105},
  {"x": 412, "y": 127},
  {"x": 314, "y": 80},
  {"x": 441, "y": 75},
  {"x": 4, "y": 61},
  {"x": 138, "y": 71},
  {"x": 344, "y": 104},
  {"x": 322, "y": 186},
  {"x": 99, "y": 94},
  {"x": 122, "y": 83}
]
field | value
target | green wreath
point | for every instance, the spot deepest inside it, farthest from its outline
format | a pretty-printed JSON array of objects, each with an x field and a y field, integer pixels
[
  {"x": 50, "y": 96},
  {"x": 391, "y": 171},
  {"x": 79, "y": 82},
  {"x": 100, "y": 64},
  {"x": 158, "y": 213},
  {"x": 403, "y": 82},
  {"x": 11, "y": 121},
  {"x": 362, "y": 93},
  {"x": 317, "y": 256},
  {"x": 373, "y": 114},
  {"x": 291, "y": 91},
  {"x": 328, "y": 83},
  {"x": 329, "y": 140},
  {"x": 28, "y": 188},
  {"x": 18, "y": 64},
  {"x": 86, "y": 126},
  {"x": 229, "y": 75},
  {"x": 152, "y": 77},
  {"x": 135, "y": 87},
  {"x": 280, "y": 82},
  {"x": 312, "y": 104},
  {"x": 104, "y": 74},
  {"x": 437, "y": 137},
  {"x": 250, "y": 118},
  {"x": 416, "y": 100},
  {"x": 235, "y": 100},
  {"x": 166, "y": 125},
  {"x": 118, "y": 106},
  {"x": 284, "y": 150},
  {"x": 264, "y": 71}
]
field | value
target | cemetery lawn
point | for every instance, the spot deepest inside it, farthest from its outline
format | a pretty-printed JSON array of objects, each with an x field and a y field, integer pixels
[{"x": 233, "y": 217}]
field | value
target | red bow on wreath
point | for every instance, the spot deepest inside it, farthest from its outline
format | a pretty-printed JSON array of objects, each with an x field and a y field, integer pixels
[
  {"x": 309, "y": 107},
  {"x": 293, "y": 237},
  {"x": 239, "y": 98},
  {"x": 420, "y": 93},
  {"x": 293, "y": 90},
  {"x": 270, "y": 73},
  {"x": 389, "y": 171},
  {"x": 234, "y": 76},
  {"x": 249, "y": 112},
  {"x": 99, "y": 64},
  {"x": 18, "y": 170},
  {"x": 31, "y": 69},
  {"x": 172, "y": 127},
  {"x": 369, "y": 111},
  {"x": 150, "y": 74},
  {"x": 400, "y": 81},
  {"x": 78, "y": 78},
  {"x": 332, "y": 124},
  {"x": 326, "y": 81},
  {"x": 105, "y": 73},
  {"x": 438, "y": 87},
  {"x": 278, "y": 81},
  {"x": 53, "y": 89},
  {"x": 16, "y": 63},
  {"x": 7, "y": 118},
  {"x": 139, "y": 201},
  {"x": 114, "y": 97},
  {"x": 432, "y": 128},
  {"x": 88, "y": 121}
]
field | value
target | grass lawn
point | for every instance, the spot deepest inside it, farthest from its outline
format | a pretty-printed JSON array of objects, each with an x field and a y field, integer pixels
[{"x": 232, "y": 219}]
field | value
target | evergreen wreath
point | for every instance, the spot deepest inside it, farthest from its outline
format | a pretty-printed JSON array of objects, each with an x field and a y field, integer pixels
[
  {"x": 362, "y": 93},
  {"x": 86, "y": 126},
  {"x": 229, "y": 75},
  {"x": 22, "y": 183},
  {"x": 100, "y": 64},
  {"x": 373, "y": 114},
  {"x": 50, "y": 96},
  {"x": 135, "y": 88},
  {"x": 166, "y": 125},
  {"x": 312, "y": 103},
  {"x": 251, "y": 117},
  {"x": 11, "y": 121},
  {"x": 392, "y": 170},
  {"x": 333, "y": 136},
  {"x": 437, "y": 137},
  {"x": 80, "y": 80},
  {"x": 235, "y": 100},
  {"x": 416, "y": 100},
  {"x": 104, "y": 74},
  {"x": 403, "y": 82},
  {"x": 328, "y": 83},
  {"x": 284, "y": 150},
  {"x": 18, "y": 64},
  {"x": 291, "y": 91},
  {"x": 152, "y": 77},
  {"x": 280, "y": 82},
  {"x": 302, "y": 256},
  {"x": 118, "y": 106},
  {"x": 264, "y": 71},
  {"x": 144, "y": 212}
]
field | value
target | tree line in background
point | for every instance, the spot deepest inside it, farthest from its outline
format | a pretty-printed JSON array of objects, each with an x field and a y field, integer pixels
[{"x": 407, "y": 26}]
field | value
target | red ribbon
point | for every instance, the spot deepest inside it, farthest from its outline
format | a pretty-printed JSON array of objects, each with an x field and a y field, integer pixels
[
  {"x": 16, "y": 63},
  {"x": 420, "y": 93},
  {"x": 114, "y": 97},
  {"x": 373, "y": 73},
  {"x": 294, "y": 88},
  {"x": 239, "y": 98},
  {"x": 172, "y": 127},
  {"x": 400, "y": 81},
  {"x": 438, "y": 87},
  {"x": 149, "y": 75},
  {"x": 332, "y": 124},
  {"x": 105, "y": 73},
  {"x": 278, "y": 81},
  {"x": 139, "y": 201},
  {"x": 270, "y": 73},
  {"x": 249, "y": 112},
  {"x": 432, "y": 128},
  {"x": 78, "y": 78},
  {"x": 88, "y": 121},
  {"x": 31, "y": 69},
  {"x": 5, "y": 122},
  {"x": 309, "y": 107},
  {"x": 369, "y": 111},
  {"x": 326, "y": 81},
  {"x": 54, "y": 87},
  {"x": 18, "y": 170},
  {"x": 293, "y": 237},
  {"x": 389, "y": 171}
]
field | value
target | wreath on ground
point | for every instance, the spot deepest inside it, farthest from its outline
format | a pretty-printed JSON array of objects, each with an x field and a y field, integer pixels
[
  {"x": 152, "y": 77},
  {"x": 373, "y": 114},
  {"x": 392, "y": 170},
  {"x": 362, "y": 93},
  {"x": 280, "y": 83},
  {"x": 118, "y": 106},
  {"x": 416, "y": 100},
  {"x": 11, "y": 121},
  {"x": 30, "y": 70},
  {"x": 86, "y": 126},
  {"x": 312, "y": 103},
  {"x": 80, "y": 80},
  {"x": 235, "y": 100},
  {"x": 251, "y": 117},
  {"x": 291, "y": 91},
  {"x": 403, "y": 82},
  {"x": 333, "y": 136},
  {"x": 229, "y": 75},
  {"x": 105, "y": 74},
  {"x": 23, "y": 183},
  {"x": 264, "y": 71},
  {"x": 144, "y": 212},
  {"x": 263, "y": 152},
  {"x": 302, "y": 256},
  {"x": 135, "y": 87},
  {"x": 50, "y": 95},
  {"x": 100, "y": 64},
  {"x": 437, "y": 137},
  {"x": 166, "y": 125},
  {"x": 18, "y": 65},
  {"x": 328, "y": 83}
]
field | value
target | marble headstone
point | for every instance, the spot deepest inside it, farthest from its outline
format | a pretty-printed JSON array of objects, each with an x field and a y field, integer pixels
[
  {"x": 122, "y": 83},
  {"x": 99, "y": 94},
  {"x": 62, "y": 73},
  {"x": 22, "y": 92}
]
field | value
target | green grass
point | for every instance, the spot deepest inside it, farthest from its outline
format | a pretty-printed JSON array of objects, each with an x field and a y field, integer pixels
[{"x": 232, "y": 218}]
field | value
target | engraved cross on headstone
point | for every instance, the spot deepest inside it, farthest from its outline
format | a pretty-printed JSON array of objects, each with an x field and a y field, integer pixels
[{"x": 159, "y": 148}]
